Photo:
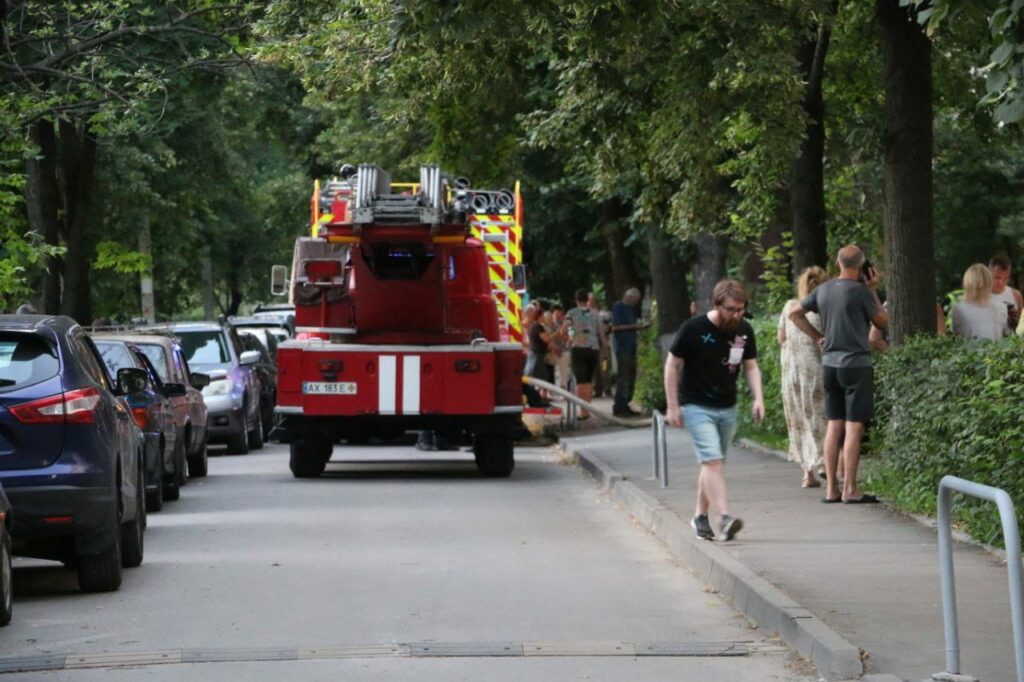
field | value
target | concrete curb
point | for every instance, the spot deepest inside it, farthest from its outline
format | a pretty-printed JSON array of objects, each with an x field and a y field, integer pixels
[{"x": 749, "y": 594}]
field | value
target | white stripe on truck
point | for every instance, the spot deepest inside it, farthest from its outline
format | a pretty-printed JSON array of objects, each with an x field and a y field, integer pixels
[
  {"x": 411, "y": 384},
  {"x": 386, "y": 384}
]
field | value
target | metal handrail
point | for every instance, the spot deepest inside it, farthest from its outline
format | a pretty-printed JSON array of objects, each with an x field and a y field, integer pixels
[
  {"x": 1011, "y": 537},
  {"x": 659, "y": 449}
]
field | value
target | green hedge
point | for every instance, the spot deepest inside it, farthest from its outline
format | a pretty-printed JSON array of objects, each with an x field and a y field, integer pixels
[{"x": 949, "y": 407}]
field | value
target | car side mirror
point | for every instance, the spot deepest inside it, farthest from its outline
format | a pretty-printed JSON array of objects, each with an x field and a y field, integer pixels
[
  {"x": 249, "y": 357},
  {"x": 199, "y": 380},
  {"x": 174, "y": 390},
  {"x": 131, "y": 380},
  {"x": 279, "y": 280}
]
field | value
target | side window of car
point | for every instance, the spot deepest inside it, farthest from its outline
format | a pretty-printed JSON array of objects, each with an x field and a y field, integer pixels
[
  {"x": 90, "y": 358},
  {"x": 181, "y": 366},
  {"x": 236, "y": 343}
]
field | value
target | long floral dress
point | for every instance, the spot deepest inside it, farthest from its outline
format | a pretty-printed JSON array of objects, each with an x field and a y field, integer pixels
[{"x": 803, "y": 391}]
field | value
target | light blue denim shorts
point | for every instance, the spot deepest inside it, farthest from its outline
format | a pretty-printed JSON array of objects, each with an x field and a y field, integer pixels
[{"x": 712, "y": 430}]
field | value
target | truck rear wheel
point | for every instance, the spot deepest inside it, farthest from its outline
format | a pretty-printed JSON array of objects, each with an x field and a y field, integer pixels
[
  {"x": 494, "y": 455},
  {"x": 309, "y": 456}
]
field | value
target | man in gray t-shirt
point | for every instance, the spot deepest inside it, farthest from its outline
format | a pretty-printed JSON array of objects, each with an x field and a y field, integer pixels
[{"x": 848, "y": 306}]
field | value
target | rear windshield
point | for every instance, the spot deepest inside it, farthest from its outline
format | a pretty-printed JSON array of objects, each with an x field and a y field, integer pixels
[
  {"x": 157, "y": 357},
  {"x": 204, "y": 348},
  {"x": 115, "y": 356},
  {"x": 25, "y": 360}
]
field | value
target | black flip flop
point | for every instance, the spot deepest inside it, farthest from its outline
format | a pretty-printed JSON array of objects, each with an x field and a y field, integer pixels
[
  {"x": 825, "y": 500},
  {"x": 863, "y": 499}
]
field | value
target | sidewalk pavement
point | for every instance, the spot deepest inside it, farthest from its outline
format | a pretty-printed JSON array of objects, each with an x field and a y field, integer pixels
[{"x": 828, "y": 578}]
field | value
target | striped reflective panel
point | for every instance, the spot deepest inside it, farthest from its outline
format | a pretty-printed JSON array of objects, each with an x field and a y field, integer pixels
[
  {"x": 387, "y": 384},
  {"x": 411, "y": 384}
]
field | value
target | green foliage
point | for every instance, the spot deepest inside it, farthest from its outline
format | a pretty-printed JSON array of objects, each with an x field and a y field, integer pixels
[
  {"x": 114, "y": 256},
  {"x": 950, "y": 407},
  {"x": 772, "y": 430},
  {"x": 650, "y": 371},
  {"x": 778, "y": 287}
]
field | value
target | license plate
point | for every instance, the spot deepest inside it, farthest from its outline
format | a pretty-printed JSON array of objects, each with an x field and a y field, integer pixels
[{"x": 329, "y": 387}]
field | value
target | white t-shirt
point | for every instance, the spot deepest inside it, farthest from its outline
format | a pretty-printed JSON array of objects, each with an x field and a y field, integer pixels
[{"x": 980, "y": 320}]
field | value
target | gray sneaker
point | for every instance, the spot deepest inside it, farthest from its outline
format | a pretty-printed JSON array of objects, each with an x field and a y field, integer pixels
[
  {"x": 702, "y": 527},
  {"x": 730, "y": 526}
]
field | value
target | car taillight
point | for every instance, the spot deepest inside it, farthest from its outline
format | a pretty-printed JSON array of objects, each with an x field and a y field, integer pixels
[
  {"x": 77, "y": 407},
  {"x": 141, "y": 416}
]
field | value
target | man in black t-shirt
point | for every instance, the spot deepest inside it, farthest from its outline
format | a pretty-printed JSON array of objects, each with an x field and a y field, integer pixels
[{"x": 709, "y": 349}]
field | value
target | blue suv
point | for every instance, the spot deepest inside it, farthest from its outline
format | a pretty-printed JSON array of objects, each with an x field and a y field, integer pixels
[{"x": 71, "y": 456}]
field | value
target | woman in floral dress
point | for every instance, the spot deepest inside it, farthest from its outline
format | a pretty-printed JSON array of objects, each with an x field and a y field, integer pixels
[{"x": 803, "y": 392}]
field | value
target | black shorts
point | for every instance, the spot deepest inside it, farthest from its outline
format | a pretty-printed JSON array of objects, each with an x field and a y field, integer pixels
[
  {"x": 850, "y": 393},
  {"x": 584, "y": 364}
]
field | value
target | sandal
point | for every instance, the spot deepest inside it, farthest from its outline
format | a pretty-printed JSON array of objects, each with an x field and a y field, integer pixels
[{"x": 863, "y": 499}]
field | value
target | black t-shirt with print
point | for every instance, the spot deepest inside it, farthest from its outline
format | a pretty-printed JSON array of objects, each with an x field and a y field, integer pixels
[{"x": 711, "y": 361}]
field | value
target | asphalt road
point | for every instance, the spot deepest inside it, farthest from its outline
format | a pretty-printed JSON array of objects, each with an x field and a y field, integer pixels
[{"x": 390, "y": 570}]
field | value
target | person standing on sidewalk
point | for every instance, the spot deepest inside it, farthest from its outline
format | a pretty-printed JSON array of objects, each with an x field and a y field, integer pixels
[
  {"x": 848, "y": 306},
  {"x": 700, "y": 375},
  {"x": 625, "y": 325},
  {"x": 583, "y": 326}
]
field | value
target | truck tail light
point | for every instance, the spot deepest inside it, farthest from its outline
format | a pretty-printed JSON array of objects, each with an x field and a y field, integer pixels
[
  {"x": 141, "y": 416},
  {"x": 508, "y": 378},
  {"x": 76, "y": 407}
]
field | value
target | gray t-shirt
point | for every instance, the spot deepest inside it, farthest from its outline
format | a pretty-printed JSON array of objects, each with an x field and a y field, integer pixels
[
  {"x": 585, "y": 328},
  {"x": 980, "y": 320},
  {"x": 846, "y": 307}
]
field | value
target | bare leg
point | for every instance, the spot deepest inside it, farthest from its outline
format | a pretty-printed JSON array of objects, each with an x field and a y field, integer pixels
[
  {"x": 851, "y": 459},
  {"x": 833, "y": 433},
  {"x": 711, "y": 488},
  {"x": 586, "y": 392}
]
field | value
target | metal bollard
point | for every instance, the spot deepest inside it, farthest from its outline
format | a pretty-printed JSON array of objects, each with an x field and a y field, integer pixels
[
  {"x": 1011, "y": 537},
  {"x": 659, "y": 449}
]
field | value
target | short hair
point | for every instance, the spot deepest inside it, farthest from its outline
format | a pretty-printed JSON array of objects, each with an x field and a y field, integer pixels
[
  {"x": 851, "y": 260},
  {"x": 977, "y": 284},
  {"x": 582, "y": 295},
  {"x": 557, "y": 308},
  {"x": 632, "y": 291},
  {"x": 728, "y": 288},
  {"x": 1000, "y": 260},
  {"x": 26, "y": 309},
  {"x": 809, "y": 280},
  {"x": 544, "y": 304}
]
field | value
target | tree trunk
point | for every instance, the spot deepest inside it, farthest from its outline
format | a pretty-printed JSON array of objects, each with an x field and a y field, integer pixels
[
  {"x": 78, "y": 171},
  {"x": 146, "y": 278},
  {"x": 616, "y": 231},
  {"x": 208, "y": 296},
  {"x": 668, "y": 277},
  {"x": 41, "y": 205},
  {"x": 910, "y": 251},
  {"x": 709, "y": 267},
  {"x": 806, "y": 181}
]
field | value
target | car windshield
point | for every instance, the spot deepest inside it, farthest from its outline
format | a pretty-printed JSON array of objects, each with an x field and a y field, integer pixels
[
  {"x": 115, "y": 356},
  {"x": 25, "y": 360},
  {"x": 204, "y": 347},
  {"x": 157, "y": 356}
]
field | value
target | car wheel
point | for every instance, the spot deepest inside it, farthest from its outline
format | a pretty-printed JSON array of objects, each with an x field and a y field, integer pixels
[
  {"x": 238, "y": 443},
  {"x": 256, "y": 434},
  {"x": 198, "y": 463},
  {"x": 102, "y": 572},
  {"x": 172, "y": 483},
  {"x": 494, "y": 455},
  {"x": 132, "y": 533},
  {"x": 6, "y": 578},
  {"x": 309, "y": 457},
  {"x": 155, "y": 498}
]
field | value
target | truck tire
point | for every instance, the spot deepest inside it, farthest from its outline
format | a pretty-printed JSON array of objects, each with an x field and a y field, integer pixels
[
  {"x": 494, "y": 455},
  {"x": 309, "y": 457}
]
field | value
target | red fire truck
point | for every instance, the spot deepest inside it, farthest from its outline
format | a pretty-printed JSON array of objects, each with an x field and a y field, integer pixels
[{"x": 397, "y": 326}]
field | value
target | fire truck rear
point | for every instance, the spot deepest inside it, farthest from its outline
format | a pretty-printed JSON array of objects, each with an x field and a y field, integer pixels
[{"x": 397, "y": 322}]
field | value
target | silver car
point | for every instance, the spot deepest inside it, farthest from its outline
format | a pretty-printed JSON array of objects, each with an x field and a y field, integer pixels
[{"x": 233, "y": 394}]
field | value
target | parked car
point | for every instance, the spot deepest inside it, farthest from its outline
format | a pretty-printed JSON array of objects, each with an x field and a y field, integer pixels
[
  {"x": 182, "y": 388},
  {"x": 152, "y": 411},
  {"x": 70, "y": 453},
  {"x": 6, "y": 572},
  {"x": 233, "y": 394},
  {"x": 283, "y": 313},
  {"x": 266, "y": 369},
  {"x": 269, "y": 332}
]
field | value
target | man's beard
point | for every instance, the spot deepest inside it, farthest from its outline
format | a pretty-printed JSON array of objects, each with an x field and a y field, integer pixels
[{"x": 731, "y": 324}]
